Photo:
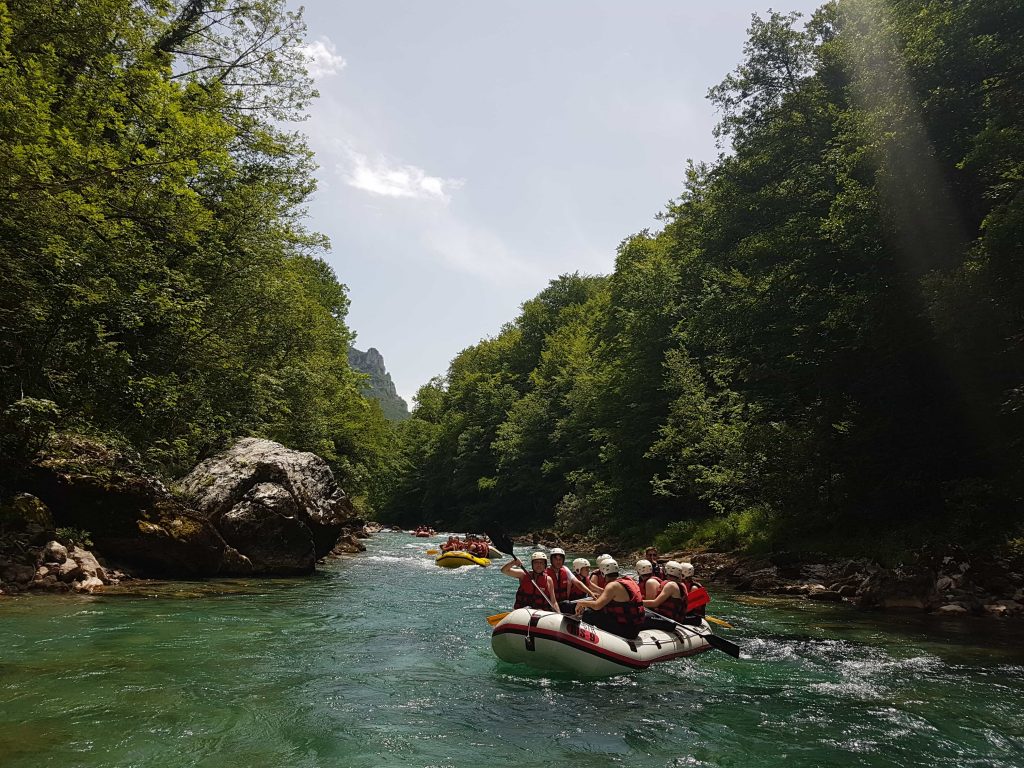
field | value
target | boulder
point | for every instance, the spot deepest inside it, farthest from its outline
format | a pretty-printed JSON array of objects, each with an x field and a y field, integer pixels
[
  {"x": 952, "y": 609},
  {"x": 265, "y": 525},
  {"x": 348, "y": 545},
  {"x": 54, "y": 552},
  {"x": 903, "y": 603},
  {"x": 49, "y": 583},
  {"x": 909, "y": 589},
  {"x": 88, "y": 563},
  {"x": 792, "y": 589},
  {"x": 1012, "y": 606},
  {"x": 234, "y": 563},
  {"x": 69, "y": 571},
  {"x": 89, "y": 584},
  {"x": 16, "y": 573},
  {"x": 129, "y": 514},
  {"x": 820, "y": 592},
  {"x": 220, "y": 483}
]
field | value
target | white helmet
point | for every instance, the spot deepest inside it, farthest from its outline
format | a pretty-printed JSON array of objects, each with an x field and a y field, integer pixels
[
  {"x": 580, "y": 562},
  {"x": 539, "y": 556},
  {"x": 602, "y": 558},
  {"x": 558, "y": 551},
  {"x": 643, "y": 567},
  {"x": 686, "y": 569},
  {"x": 609, "y": 566},
  {"x": 672, "y": 568}
]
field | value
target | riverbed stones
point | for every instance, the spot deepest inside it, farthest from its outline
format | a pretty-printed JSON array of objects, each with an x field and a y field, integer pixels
[{"x": 952, "y": 609}]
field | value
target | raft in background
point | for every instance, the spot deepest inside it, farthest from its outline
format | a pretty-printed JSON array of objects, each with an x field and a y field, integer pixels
[
  {"x": 554, "y": 641},
  {"x": 458, "y": 559}
]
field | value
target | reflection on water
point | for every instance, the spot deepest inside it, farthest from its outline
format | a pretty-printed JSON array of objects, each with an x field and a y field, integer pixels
[{"x": 384, "y": 659}]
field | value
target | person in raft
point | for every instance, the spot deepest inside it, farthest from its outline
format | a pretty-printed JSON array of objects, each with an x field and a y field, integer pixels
[
  {"x": 697, "y": 596},
  {"x": 620, "y": 607},
  {"x": 650, "y": 585},
  {"x": 536, "y": 589},
  {"x": 581, "y": 569},
  {"x": 651, "y": 553},
  {"x": 671, "y": 600},
  {"x": 597, "y": 579},
  {"x": 565, "y": 581}
]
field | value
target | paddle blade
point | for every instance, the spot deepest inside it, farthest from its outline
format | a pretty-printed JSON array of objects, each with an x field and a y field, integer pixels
[
  {"x": 723, "y": 645},
  {"x": 719, "y": 622},
  {"x": 501, "y": 541},
  {"x": 496, "y": 618},
  {"x": 433, "y": 551}
]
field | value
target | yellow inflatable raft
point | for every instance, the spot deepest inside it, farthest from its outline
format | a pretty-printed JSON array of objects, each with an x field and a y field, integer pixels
[{"x": 458, "y": 559}]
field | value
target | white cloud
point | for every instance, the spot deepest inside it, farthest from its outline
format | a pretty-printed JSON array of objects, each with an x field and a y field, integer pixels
[
  {"x": 387, "y": 178},
  {"x": 322, "y": 59}
]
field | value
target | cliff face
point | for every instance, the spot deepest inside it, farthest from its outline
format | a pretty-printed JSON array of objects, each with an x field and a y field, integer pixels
[{"x": 380, "y": 387}]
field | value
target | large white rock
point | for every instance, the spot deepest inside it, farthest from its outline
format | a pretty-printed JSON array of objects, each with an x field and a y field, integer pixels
[{"x": 220, "y": 484}]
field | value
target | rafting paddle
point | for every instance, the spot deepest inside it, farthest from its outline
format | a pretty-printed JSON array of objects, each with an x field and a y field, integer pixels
[{"x": 716, "y": 642}]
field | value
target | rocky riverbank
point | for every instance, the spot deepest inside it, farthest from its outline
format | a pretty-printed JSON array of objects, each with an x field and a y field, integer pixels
[
  {"x": 86, "y": 515},
  {"x": 949, "y": 583}
]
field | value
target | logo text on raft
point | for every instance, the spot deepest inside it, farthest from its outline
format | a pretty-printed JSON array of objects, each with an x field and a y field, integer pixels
[{"x": 586, "y": 632}]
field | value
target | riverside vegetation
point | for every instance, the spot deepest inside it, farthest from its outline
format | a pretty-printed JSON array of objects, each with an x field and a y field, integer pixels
[
  {"x": 819, "y": 348},
  {"x": 159, "y": 288}
]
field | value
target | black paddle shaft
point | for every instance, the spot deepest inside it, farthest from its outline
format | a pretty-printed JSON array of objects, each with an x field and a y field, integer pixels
[{"x": 719, "y": 643}]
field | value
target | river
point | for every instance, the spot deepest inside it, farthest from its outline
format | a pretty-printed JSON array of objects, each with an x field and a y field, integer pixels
[{"x": 383, "y": 659}]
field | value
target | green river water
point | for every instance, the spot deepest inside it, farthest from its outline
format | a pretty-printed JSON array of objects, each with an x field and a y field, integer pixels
[{"x": 384, "y": 659}]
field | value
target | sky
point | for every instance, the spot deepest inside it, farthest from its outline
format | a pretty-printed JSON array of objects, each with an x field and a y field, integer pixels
[{"x": 470, "y": 151}]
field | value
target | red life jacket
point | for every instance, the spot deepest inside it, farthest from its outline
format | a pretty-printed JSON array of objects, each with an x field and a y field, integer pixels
[
  {"x": 643, "y": 585},
  {"x": 628, "y": 615},
  {"x": 561, "y": 580},
  {"x": 532, "y": 590},
  {"x": 599, "y": 577},
  {"x": 674, "y": 607}
]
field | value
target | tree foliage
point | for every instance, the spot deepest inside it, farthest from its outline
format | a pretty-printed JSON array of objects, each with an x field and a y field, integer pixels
[
  {"x": 157, "y": 281},
  {"x": 823, "y": 337}
]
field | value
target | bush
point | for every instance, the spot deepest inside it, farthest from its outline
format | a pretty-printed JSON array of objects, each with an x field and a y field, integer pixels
[
  {"x": 745, "y": 529},
  {"x": 71, "y": 537},
  {"x": 27, "y": 424}
]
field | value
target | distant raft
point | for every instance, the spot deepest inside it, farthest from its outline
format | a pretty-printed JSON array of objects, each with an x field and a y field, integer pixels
[
  {"x": 556, "y": 642},
  {"x": 459, "y": 558}
]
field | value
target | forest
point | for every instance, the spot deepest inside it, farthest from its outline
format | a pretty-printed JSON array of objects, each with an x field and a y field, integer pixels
[
  {"x": 821, "y": 344},
  {"x": 159, "y": 287}
]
